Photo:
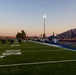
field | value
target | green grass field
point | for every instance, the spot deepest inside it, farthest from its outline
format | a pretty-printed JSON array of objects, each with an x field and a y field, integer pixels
[{"x": 33, "y": 52}]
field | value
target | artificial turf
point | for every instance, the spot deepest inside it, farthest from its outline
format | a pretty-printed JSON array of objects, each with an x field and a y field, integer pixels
[{"x": 42, "y": 55}]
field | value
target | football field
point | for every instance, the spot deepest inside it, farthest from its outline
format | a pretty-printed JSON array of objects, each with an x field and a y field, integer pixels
[{"x": 37, "y": 59}]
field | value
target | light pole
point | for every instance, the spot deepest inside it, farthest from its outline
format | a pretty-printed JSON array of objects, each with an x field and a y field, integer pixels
[{"x": 44, "y": 17}]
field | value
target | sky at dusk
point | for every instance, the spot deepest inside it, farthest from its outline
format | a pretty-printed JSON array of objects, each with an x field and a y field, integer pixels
[{"x": 27, "y": 15}]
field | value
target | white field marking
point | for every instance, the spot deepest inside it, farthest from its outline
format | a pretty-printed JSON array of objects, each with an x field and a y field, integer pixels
[
  {"x": 10, "y": 52},
  {"x": 14, "y": 45},
  {"x": 2, "y": 56},
  {"x": 53, "y": 45},
  {"x": 43, "y": 50},
  {"x": 38, "y": 63},
  {"x": 33, "y": 51}
]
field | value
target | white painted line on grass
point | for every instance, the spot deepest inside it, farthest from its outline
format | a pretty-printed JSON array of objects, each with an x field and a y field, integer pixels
[
  {"x": 14, "y": 45},
  {"x": 43, "y": 50},
  {"x": 38, "y": 63}
]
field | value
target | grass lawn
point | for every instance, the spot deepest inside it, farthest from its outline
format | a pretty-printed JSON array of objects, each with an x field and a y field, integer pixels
[{"x": 33, "y": 52}]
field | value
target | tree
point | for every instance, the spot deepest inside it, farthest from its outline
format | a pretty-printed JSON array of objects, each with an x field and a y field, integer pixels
[
  {"x": 44, "y": 35},
  {"x": 41, "y": 35},
  {"x": 18, "y": 35},
  {"x": 21, "y": 35}
]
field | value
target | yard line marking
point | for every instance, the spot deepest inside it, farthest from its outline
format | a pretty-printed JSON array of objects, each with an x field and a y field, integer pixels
[
  {"x": 37, "y": 63},
  {"x": 43, "y": 50},
  {"x": 38, "y": 51},
  {"x": 15, "y": 45}
]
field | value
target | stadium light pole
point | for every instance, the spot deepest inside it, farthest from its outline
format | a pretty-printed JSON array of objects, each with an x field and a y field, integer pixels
[{"x": 44, "y": 17}]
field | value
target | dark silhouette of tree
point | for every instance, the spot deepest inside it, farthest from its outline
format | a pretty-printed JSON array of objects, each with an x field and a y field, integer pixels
[
  {"x": 41, "y": 35},
  {"x": 21, "y": 35},
  {"x": 44, "y": 35},
  {"x": 18, "y": 35}
]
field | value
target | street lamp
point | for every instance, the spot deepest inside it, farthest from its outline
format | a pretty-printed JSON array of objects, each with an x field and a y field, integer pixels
[{"x": 44, "y": 17}]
